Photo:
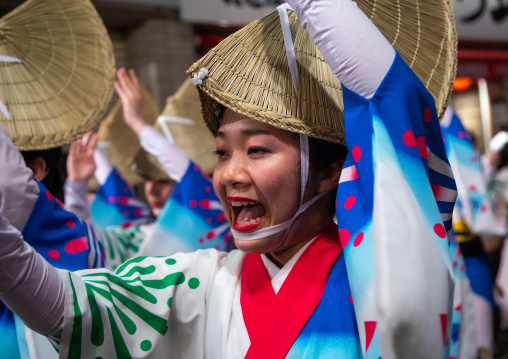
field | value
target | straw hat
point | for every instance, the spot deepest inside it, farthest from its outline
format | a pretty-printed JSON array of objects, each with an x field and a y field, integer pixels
[
  {"x": 182, "y": 116},
  {"x": 56, "y": 72},
  {"x": 248, "y": 72},
  {"x": 122, "y": 146}
]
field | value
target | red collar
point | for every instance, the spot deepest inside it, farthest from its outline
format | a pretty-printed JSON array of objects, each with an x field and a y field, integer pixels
[{"x": 274, "y": 321}]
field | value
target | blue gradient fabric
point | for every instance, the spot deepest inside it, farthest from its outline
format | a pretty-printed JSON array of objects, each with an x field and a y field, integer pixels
[{"x": 394, "y": 209}]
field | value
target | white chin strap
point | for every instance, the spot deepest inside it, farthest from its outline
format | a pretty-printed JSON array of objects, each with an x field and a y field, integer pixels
[
  {"x": 304, "y": 174},
  {"x": 304, "y": 144}
]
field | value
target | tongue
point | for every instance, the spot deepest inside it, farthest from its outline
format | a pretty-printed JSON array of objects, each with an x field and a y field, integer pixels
[{"x": 249, "y": 213}]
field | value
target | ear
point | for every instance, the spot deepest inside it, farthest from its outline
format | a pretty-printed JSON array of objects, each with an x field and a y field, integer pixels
[
  {"x": 38, "y": 167},
  {"x": 329, "y": 177}
]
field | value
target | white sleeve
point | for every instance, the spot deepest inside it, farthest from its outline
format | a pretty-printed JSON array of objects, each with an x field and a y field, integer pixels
[
  {"x": 103, "y": 167},
  {"x": 169, "y": 155},
  {"x": 75, "y": 199},
  {"x": 355, "y": 49},
  {"x": 18, "y": 190},
  {"x": 29, "y": 285}
]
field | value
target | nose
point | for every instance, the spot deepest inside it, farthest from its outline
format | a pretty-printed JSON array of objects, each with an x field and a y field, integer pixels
[{"x": 235, "y": 174}]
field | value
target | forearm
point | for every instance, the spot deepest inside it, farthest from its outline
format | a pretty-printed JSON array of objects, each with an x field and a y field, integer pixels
[
  {"x": 19, "y": 191},
  {"x": 29, "y": 285},
  {"x": 169, "y": 155},
  {"x": 355, "y": 49},
  {"x": 75, "y": 199},
  {"x": 103, "y": 166}
]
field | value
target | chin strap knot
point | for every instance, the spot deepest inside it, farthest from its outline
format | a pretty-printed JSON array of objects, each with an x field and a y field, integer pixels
[{"x": 199, "y": 77}]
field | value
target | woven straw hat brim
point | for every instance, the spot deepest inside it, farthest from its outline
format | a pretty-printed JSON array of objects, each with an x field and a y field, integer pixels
[
  {"x": 249, "y": 72},
  {"x": 123, "y": 144},
  {"x": 64, "y": 82},
  {"x": 194, "y": 139}
]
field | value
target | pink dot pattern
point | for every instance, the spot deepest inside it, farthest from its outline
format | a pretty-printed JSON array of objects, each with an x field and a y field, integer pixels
[
  {"x": 345, "y": 236},
  {"x": 350, "y": 202},
  {"x": 440, "y": 230}
]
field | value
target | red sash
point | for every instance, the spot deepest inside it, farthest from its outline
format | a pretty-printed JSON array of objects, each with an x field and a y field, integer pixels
[{"x": 274, "y": 321}]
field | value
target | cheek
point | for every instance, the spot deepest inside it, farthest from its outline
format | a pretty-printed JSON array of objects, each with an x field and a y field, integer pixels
[
  {"x": 219, "y": 190},
  {"x": 278, "y": 181},
  {"x": 148, "y": 189}
]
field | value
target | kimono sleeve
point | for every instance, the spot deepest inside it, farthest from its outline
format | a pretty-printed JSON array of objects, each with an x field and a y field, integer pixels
[
  {"x": 150, "y": 307},
  {"x": 394, "y": 208},
  {"x": 120, "y": 244}
]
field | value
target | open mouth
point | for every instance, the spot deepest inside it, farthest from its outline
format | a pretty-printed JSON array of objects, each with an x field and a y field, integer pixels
[{"x": 248, "y": 213}]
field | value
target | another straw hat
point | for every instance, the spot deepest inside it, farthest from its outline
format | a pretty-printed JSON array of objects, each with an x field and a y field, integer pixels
[
  {"x": 249, "y": 72},
  {"x": 56, "y": 72},
  {"x": 182, "y": 116},
  {"x": 122, "y": 146}
]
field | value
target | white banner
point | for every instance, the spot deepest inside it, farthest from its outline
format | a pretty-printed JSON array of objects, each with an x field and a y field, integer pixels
[
  {"x": 482, "y": 19},
  {"x": 226, "y": 12},
  {"x": 476, "y": 19}
]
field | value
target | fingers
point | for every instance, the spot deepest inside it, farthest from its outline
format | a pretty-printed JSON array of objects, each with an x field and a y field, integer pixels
[
  {"x": 84, "y": 146},
  {"x": 119, "y": 90},
  {"x": 74, "y": 149},
  {"x": 92, "y": 144},
  {"x": 127, "y": 83},
  {"x": 134, "y": 78}
]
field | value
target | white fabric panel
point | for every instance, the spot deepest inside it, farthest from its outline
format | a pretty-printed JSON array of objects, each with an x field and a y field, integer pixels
[
  {"x": 18, "y": 189},
  {"x": 103, "y": 167},
  {"x": 351, "y": 44},
  {"x": 484, "y": 323},
  {"x": 170, "y": 156},
  {"x": 29, "y": 285}
]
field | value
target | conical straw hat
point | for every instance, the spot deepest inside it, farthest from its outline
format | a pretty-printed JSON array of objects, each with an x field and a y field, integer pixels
[
  {"x": 56, "y": 72},
  {"x": 249, "y": 72},
  {"x": 121, "y": 144},
  {"x": 183, "y": 118}
]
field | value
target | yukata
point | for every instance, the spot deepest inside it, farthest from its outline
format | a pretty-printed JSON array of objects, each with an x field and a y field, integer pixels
[
  {"x": 473, "y": 216},
  {"x": 232, "y": 305},
  {"x": 65, "y": 241},
  {"x": 498, "y": 190}
]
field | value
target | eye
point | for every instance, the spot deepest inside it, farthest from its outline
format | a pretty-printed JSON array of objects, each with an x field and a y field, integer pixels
[
  {"x": 257, "y": 151},
  {"x": 219, "y": 153}
]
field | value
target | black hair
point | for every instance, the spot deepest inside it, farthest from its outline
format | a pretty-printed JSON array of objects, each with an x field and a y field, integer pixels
[
  {"x": 53, "y": 180},
  {"x": 503, "y": 158},
  {"x": 323, "y": 153}
]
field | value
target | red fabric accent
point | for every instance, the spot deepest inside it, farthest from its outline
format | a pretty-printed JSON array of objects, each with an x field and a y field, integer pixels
[
  {"x": 273, "y": 328},
  {"x": 444, "y": 324},
  {"x": 370, "y": 328},
  {"x": 258, "y": 295}
]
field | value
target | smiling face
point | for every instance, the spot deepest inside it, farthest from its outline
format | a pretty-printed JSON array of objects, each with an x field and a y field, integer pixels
[
  {"x": 157, "y": 193},
  {"x": 257, "y": 180}
]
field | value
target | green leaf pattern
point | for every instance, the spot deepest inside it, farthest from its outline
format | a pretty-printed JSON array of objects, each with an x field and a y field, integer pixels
[
  {"x": 125, "y": 314},
  {"x": 120, "y": 244}
]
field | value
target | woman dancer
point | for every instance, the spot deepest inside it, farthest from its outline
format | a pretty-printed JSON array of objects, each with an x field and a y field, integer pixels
[{"x": 286, "y": 292}]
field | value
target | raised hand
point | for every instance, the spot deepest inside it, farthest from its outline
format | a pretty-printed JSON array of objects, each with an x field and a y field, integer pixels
[
  {"x": 129, "y": 91},
  {"x": 80, "y": 162}
]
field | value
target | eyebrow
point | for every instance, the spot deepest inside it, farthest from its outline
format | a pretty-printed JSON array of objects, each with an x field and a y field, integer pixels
[{"x": 246, "y": 133}]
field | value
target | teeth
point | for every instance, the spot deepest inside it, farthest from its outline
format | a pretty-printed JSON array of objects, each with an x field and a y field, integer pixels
[
  {"x": 242, "y": 203},
  {"x": 252, "y": 221}
]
